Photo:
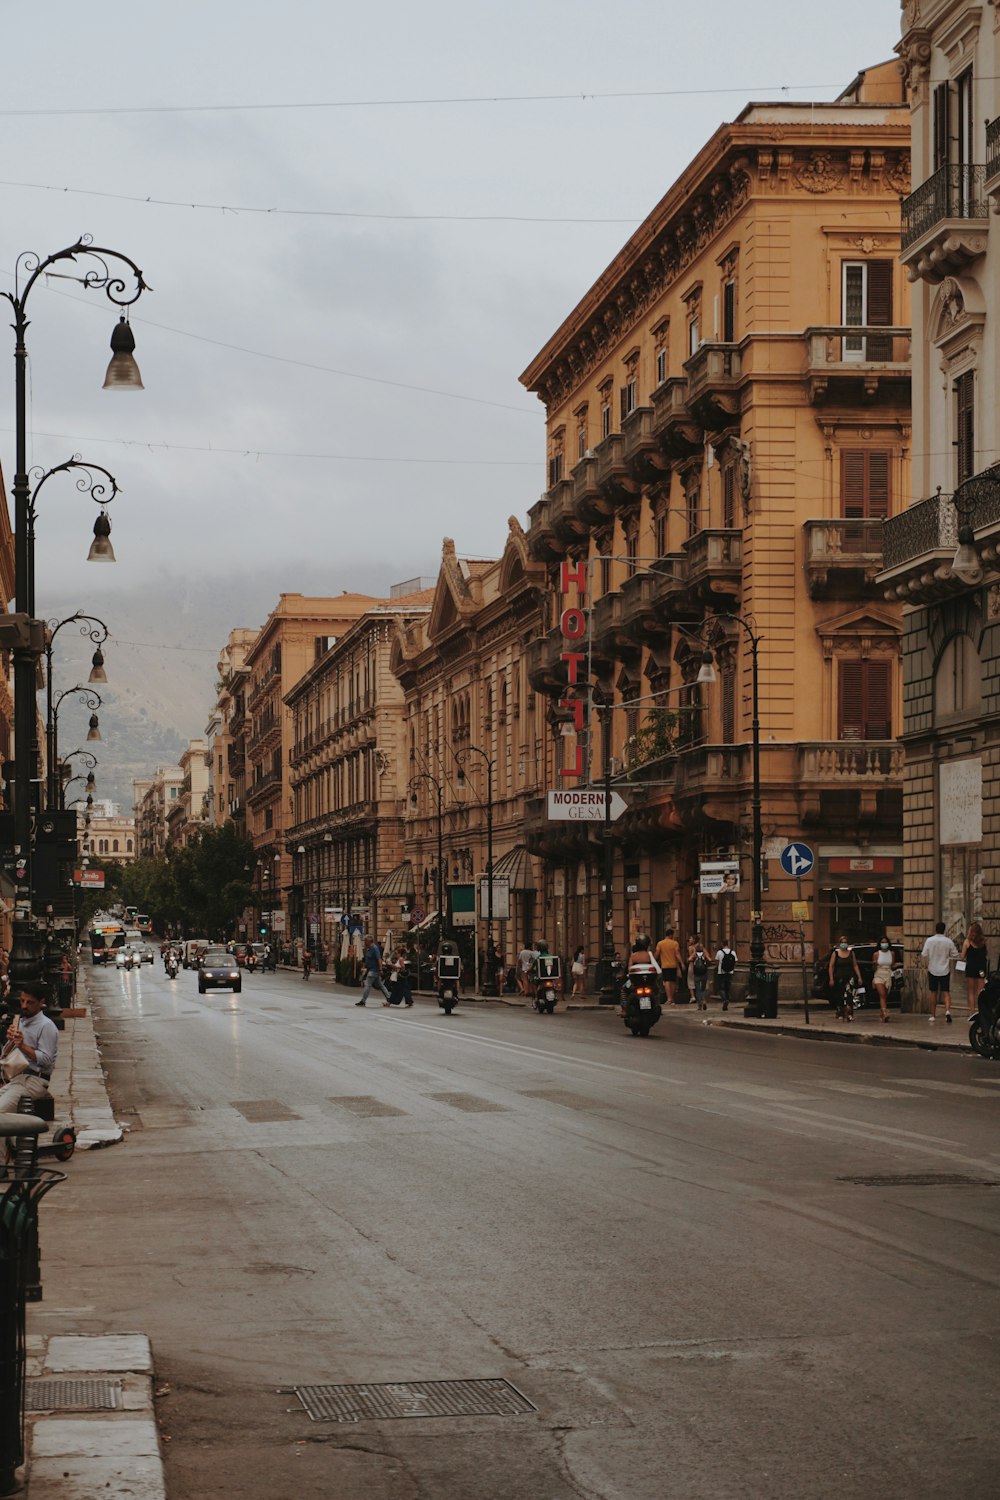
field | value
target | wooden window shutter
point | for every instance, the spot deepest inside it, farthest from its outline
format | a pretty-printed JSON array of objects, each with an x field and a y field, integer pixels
[
  {"x": 865, "y": 708},
  {"x": 879, "y": 293},
  {"x": 729, "y": 496},
  {"x": 853, "y": 483},
  {"x": 729, "y": 312},
  {"x": 878, "y": 484},
  {"x": 942, "y": 100},
  {"x": 728, "y": 706},
  {"x": 851, "y": 708},
  {"x": 965, "y": 427}
]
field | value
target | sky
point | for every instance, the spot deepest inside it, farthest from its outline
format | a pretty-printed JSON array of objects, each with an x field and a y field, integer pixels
[{"x": 346, "y": 278}]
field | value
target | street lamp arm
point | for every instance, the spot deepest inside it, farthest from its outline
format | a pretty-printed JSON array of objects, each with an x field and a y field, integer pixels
[
  {"x": 91, "y": 700},
  {"x": 90, "y": 761},
  {"x": 96, "y": 278},
  {"x": 98, "y": 635},
  {"x": 100, "y": 492}
]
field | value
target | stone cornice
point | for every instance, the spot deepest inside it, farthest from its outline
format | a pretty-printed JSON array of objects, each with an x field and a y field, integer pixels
[{"x": 763, "y": 160}]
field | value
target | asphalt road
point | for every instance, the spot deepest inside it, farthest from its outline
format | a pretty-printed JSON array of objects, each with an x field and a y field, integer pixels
[{"x": 716, "y": 1264}]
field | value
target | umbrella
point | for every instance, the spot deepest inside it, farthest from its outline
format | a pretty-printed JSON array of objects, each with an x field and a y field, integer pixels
[
  {"x": 357, "y": 943},
  {"x": 345, "y": 946},
  {"x": 387, "y": 945}
]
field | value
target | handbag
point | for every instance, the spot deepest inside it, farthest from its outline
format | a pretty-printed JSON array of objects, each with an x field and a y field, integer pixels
[
  {"x": 13, "y": 1064},
  {"x": 960, "y": 966}
]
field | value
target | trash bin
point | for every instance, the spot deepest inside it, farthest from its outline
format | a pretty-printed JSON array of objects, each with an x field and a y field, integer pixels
[{"x": 767, "y": 991}]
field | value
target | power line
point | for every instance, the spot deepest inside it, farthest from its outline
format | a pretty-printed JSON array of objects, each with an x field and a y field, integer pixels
[
  {"x": 583, "y": 96},
  {"x": 317, "y": 213}
]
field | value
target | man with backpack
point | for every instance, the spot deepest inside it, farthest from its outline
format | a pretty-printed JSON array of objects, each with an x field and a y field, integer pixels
[{"x": 725, "y": 961}]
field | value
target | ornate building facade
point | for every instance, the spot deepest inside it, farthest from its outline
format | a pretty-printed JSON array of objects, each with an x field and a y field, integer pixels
[
  {"x": 153, "y": 799},
  {"x": 297, "y": 633},
  {"x": 474, "y": 725},
  {"x": 728, "y": 423},
  {"x": 225, "y": 762},
  {"x": 347, "y": 770},
  {"x": 942, "y": 554}
]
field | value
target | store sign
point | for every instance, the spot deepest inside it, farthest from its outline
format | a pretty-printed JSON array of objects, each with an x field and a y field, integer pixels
[
  {"x": 873, "y": 864},
  {"x": 573, "y": 628},
  {"x": 90, "y": 879}
]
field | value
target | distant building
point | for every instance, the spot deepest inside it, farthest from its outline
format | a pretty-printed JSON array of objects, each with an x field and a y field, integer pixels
[
  {"x": 219, "y": 732},
  {"x": 153, "y": 798},
  {"x": 111, "y": 836},
  {"x": 188, "y": 813}
]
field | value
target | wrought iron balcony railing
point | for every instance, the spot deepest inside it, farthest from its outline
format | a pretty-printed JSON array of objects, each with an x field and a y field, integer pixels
[
  {"x": 993, "y": 149},
  {"x": 927, "y": 527},
  {"x": 953, "y": 192}
]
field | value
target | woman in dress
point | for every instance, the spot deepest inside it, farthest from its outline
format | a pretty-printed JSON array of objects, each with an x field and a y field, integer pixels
[
  {"x": 976, "y": 962},
  {"x": 843, "y": 968},
  {"x": 579, "y": 970}
]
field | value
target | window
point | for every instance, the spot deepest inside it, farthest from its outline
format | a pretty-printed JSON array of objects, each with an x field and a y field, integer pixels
[
  {"x": 605, "y": 568},
  {"x": 729, "y": 497},
  {"x": 632, "y": 550},
  {"x": 660, "y": 533},
  {"x": 661, "y": 365},
  {"x": 692, "y": 502},
  {"x": 729, "y": 312},
  {"x": 581, "y": 432},
  {"x": 958, "y": 680},
  {"x": 606, "y": 409},
  {"x": 965, "y": 426},
  {"x": 114, "y": 845},
  {"x": 866, "y": 301},
  {"x": 864, "y": 495},
  {"x": 629, "y": 394},
  {"x": 694, "y": 334},
  {"x": 661, "y": 333},
  {"x": 865, "y": 708},
  {"x": 942, "y": 113},
  {"x": 728, "y": 695},
  {"x": 555, "y": 469}
]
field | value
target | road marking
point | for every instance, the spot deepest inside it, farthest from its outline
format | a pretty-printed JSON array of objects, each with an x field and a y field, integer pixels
[
  {"x": 865, "y": 1091},
  {"x": 763, "y": 1091},
  {"x": 967, "y": 1090}
]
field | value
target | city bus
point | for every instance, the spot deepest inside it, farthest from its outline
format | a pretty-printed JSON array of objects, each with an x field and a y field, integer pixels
[
  {"x": 143, "y": 922},
  {"x": 105, "y": 937}
]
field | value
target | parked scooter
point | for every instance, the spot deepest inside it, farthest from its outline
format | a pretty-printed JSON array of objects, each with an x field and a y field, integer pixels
[
  {"x": 984, "y": 1025},
  {"x": 546, "y": 974},
  {"x": 449, "y": 973}
]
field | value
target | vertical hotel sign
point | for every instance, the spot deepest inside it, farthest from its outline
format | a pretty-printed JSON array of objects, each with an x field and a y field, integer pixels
[{"x": 573, "y": 628}]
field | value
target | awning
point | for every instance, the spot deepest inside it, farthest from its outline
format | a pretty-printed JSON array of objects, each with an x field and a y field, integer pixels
[
  {"x": 515, "y": 866},
  {"x": 398, "y": 884}
]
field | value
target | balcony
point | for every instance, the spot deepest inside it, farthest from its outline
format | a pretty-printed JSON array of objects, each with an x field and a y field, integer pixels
[
  {"x": 546, "y": 671},
  {"x": 855, "y": 366},
  {"x": 851, "y": 785},
  {"x": 843, "y": 557},
  {"x": 706, "y": 769},
  {"x": 610, "y": 641},
  {"x": 673, "y": 425},
  {"x": 614, "y": 475},
  {"x": 643, "y": 453},
  {"x": 590, "y": 504},
  {"x": 714, "y": 375},
  {"x": 544, "y": 542},
  {"x": 268, "y": 783},
  {"x": 945, "y": 223},
  {"x": 562, "y": 517},
  {"x": 714, "y": 565},
  {"x": 992, "y": 183},
  {"x": 641, "y": 618}
]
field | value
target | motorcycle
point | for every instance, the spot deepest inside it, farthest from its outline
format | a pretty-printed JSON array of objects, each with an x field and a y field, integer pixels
[
  {"x": 547, "y": 972},
  {"x": 984, "y": 1024},
  {"x": 640, "y": 1001},
  {"x": 171, "y": 967},
  {"x": 251, "y": 962},
  {"x": 449, "y": 972}
]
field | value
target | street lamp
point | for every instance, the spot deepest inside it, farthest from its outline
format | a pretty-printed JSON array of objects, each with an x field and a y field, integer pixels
[
  {"x": 97, "y": 631},
  {"x": 707, "y": 674},
  {"x": 25, "y": 954},
  {"x": 489, "y": 985},
  {"x": 434, "y": 782},
  {"x": 92, "y": 701}
]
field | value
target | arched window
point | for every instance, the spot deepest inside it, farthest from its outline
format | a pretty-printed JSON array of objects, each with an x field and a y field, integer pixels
[
  {"x": 114, "y": 846},
  {"x": 128, "y": 846},
  {"x": 958, "y": 680}
]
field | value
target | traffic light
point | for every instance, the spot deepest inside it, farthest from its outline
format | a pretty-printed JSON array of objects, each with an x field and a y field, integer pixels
[{"x": 263, "y": 931}]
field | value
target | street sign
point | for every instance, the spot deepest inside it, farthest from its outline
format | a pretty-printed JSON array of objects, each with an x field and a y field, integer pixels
[
  {"x": 800, "y": 911},
  {"x": 583, "y": 807},
  {"x": 797, "y": 860},
  {"x": 501, "y": 898}
]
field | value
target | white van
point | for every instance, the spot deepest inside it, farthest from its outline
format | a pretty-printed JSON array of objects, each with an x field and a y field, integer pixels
[{"x": 193, "y": 949}]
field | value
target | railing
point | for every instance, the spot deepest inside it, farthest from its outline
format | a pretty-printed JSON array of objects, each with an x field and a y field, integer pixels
[
  {"x": 265, "y": 728},
  {"x": 840, "y": 761},
  {"x": 263, "y": 782},
  {"x": 953, "y": 192},
  {"x": 840, "y": 344},
  {"x": 843, "y": 541},
  {"x": 710, "y": 765},
  {"x": 993, "y": 148},
  {"x": 929, "y": 526},
  {"x": 710, "y": 552},
  {"x": 712, "y": 364}
]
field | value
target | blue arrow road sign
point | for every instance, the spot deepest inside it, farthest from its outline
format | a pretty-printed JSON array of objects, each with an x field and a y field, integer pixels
[{"x": 797, "y": 860}]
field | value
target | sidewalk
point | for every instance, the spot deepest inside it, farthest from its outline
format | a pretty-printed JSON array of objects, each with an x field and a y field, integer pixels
[{"x": 90, "y": 1425}]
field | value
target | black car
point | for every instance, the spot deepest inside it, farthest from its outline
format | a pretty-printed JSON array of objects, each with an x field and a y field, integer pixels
[{"x": 218, "y": 970}]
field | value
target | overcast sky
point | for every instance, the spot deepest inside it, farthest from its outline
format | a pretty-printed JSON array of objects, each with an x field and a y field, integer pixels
[{"x": 262, "y": 461}]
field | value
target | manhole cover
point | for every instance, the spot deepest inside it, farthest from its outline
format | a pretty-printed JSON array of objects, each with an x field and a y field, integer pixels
[
  {"x": 413, "y": 1398},
  {"x": 922, "y": 1179},
  {"x": 261, "y": 1111},
  {"x": 72, "y": 1395},
  {"x": 366, "y": 1105},
  {"x": 565, "y": 1097},
  {"x": 471, "y": 1103}
]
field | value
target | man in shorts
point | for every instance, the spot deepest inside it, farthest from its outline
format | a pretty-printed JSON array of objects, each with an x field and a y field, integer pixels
[
  {"x": 939, "y": 953},
  {"x": 668, "y": 956}
]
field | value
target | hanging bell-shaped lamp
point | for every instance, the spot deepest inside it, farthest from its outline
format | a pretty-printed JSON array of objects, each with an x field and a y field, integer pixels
[
  {"x": 101, "y": 549},
  {"x": 97, "y": 672},
  {"x": 123, "y": 372},
  {"x": 94, "y": 732}
]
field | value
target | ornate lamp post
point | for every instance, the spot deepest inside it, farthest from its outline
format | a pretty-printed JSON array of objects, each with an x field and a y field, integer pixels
[
  {"x": 439, "y": 788},
  {"x": 122, "y": 374},
  {"x": 489, "y": 984},
  {"x": 707, "y": 674},
  {"x": 96, "y": 629}
]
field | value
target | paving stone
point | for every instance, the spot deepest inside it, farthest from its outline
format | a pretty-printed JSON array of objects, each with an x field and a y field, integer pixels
[
  {"x": 106, "y": 1353},
  {"x": 136, "y": 1478},
  {"x": 111, "y": 1438}
]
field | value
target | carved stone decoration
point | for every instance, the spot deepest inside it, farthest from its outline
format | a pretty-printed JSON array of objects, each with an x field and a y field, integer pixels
[
  {"x": 915, "y": 58},
  {"x": 898, "y": 176},
  {"x": 911, "y": 13},
  {"x": 820, "y": 173},
  {"x": 993, "y": 595}
]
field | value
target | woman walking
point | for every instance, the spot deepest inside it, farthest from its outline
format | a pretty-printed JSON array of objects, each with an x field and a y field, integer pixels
[
  {"x": 977, "y": 963},
  {"x": 579, "y": 969},
  {"x": 882, "y": 967},
  {"x": 843, "y": 969}
]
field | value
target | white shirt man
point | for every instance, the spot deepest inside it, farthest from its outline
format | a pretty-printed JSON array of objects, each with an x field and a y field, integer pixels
[{"x": 939, "y": 953}]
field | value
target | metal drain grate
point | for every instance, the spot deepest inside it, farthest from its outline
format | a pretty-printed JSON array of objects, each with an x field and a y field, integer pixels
[
  {"x": 262, "y": 1111},
  {"x": 471, "y": 1103},
  {"x": 413, "y": 1398},
  {"x": 922, "y": 1179},
  {"x": 72, "y": 1395}
]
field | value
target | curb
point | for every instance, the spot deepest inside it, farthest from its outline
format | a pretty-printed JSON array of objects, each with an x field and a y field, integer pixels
[
  {"x": 77, "y": 1454},
  {"x": 863, "y": 1038}
]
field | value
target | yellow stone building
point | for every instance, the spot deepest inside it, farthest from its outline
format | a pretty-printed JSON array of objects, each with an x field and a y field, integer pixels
[{"x": 728, "y": 423}]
